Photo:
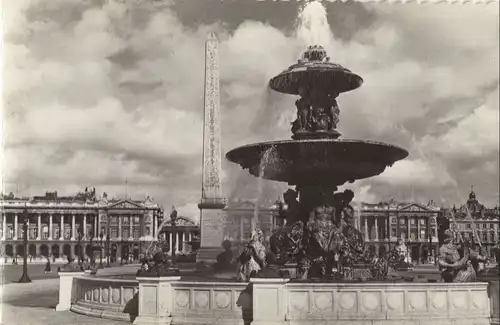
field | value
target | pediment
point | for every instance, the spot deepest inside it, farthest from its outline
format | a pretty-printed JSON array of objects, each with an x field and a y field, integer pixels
[
  {"x": 415, "y": 207},
  {"x": 124, "y": 204}
]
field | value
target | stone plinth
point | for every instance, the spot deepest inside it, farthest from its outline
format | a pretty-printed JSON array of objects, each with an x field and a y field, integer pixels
[
  {"x": 66, "y": 289},
  {"x": 213, "y": 218},
  {"x": 493, "y": 292},
  {"x": 269, "y": 301},
  {"x": 155, "y": 300}
]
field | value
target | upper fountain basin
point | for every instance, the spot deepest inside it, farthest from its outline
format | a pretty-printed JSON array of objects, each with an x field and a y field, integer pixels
[
  {"x": 316, "y": 161},
  {"x": 315, "y": 74}
]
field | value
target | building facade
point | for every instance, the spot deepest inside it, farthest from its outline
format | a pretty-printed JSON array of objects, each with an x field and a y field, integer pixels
[
  {"x": 384, "y": 224},
  {"x": 474, "y": 219},
  {"x": 184, "y": 233},
  {"x": 58, "y": 226}
]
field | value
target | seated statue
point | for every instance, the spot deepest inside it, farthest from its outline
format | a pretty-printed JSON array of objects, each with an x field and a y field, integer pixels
[
  {"x": 454, "y": 260},
  {"x": 303, "y": 105},
  {"x": 325, "y": 238},
  {"x": 253, "y": 257},
  {"x": 224, "y": 259},
  {"x": 353, "y": 245}
]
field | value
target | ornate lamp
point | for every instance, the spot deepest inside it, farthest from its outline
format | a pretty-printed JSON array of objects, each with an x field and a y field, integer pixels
[
  {"x": 25, "y": 278},
  {"x": 108, "y": 250},
  {"x": 101, "y": 236}
]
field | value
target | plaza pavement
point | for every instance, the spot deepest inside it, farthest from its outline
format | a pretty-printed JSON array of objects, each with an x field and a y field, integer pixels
[{"x": 33, "y": 303}]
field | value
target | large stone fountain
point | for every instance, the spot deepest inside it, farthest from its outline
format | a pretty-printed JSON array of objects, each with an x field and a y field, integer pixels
[
  {"x": 319, "y": 227},
  {"x": 316, "y": 161}
]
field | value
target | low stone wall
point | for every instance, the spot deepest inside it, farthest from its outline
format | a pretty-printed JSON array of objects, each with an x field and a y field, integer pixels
[
  {"x": 388, "y": 303},
  {"x": 168, "y": 300},
  {"x": 208, "y": 302},
  {"x": 105, "y": 297}
]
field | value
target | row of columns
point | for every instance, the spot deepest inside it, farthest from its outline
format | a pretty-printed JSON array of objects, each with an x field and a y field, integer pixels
[
  {"x": 73, "y": 227},
  {"x": 182, "y": 237},
  {"x": 387, "y": 233}
]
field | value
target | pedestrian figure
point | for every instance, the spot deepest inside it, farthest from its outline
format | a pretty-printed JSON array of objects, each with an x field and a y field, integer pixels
[{"x": 47, "y": 267}]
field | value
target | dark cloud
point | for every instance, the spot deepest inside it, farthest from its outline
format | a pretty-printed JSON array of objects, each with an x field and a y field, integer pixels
[{"x": 103, "y": 91}]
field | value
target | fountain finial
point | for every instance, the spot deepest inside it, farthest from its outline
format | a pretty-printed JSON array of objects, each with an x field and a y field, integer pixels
[{"x": 315, "y": 53}]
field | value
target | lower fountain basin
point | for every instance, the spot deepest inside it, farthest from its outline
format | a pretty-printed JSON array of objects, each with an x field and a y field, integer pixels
[{"x": 316, "y": 161}]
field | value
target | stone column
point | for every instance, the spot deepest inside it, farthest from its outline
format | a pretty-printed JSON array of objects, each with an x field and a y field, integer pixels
[
  {"x": 120, "y": 227},
  {"x": 16, "y": 227},
  {"x": 28, "y": 229},
  {"x": 96, "y": 229},
  {"x": 155, "y": 225},
  {"x": 418, "y": 229},
  {"x": 4, "y": 226},
  {"x": 61, "y": 231},
  {"x": 84, "y": 232},
  {"x": 435, "y": 229},
  {"x": 171, "y": 235},
  {"x": 376, "y": 227},
  {"x": 50, "y": 226},
  {"x": 242, "y": 229},
  {"x": 367, "y": 237},
  {"x": 131, "y": 220},
  {"x": 408, "y": 228},
  {"x": 39, "y": 227},
  {"x": 73, "y": 226},
  {"x": 269, "y": 301}
]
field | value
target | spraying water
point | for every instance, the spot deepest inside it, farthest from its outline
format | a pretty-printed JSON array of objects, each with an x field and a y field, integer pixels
[
  {"x": 312, "y": 26},
  {"x": 269, "y": 158}
]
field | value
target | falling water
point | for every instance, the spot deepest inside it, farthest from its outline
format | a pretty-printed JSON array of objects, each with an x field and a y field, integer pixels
[
  {"x": 312, "y": 26},
  {"x": 269, "y": 158}
]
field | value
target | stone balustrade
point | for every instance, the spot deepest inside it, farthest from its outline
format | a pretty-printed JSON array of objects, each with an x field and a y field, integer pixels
[
  {"x": 105, "y": 297},
  {"x": 168, "y": 300},
  {"x": 388, "y": 303}
]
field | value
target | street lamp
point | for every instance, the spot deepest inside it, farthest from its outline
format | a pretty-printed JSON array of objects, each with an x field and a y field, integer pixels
[
  {"x": 92, "y": 262},
  {"x": 101, "y": 235},
  {"x": 80, "y": 235},
  {"x": 25, "y": 278},
  {"x": 108, "y": 250},
  {"x": 173, "y": 218}
]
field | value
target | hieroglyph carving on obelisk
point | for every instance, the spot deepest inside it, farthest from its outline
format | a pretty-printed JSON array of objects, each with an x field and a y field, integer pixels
[{"x": 211, "y": 186}]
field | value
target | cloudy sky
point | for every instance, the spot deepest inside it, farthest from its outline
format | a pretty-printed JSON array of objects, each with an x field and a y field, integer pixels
[{"x": 99, "y": 92}]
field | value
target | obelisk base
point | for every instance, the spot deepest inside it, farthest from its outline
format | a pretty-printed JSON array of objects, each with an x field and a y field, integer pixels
[{"x": 212, "y": 222}]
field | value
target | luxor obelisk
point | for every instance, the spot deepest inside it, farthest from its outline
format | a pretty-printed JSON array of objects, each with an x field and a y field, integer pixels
[{"x": 212, "y": 215}]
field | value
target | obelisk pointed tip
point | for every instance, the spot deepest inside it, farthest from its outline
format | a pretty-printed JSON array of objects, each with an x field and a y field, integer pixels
[{"x": 212, "y": 36}]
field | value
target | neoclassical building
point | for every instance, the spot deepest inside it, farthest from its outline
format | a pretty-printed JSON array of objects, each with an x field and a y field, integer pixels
[
  {"x": 56, "y": 223},
  {"x": 385, "y": 223},
  {"x": 473, "y": 218},
  {"x": 185, "y": 232}
]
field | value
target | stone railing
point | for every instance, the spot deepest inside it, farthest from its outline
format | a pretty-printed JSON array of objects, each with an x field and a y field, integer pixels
[
  {"x": 105, "y": 297},
  {"x": 168, "y": 300},
  {"x": 389, "y": 303}
]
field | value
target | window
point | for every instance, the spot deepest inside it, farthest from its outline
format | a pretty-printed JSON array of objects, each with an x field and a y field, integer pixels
[
  {"x": 125, "y": 233},
  {"x": 114, "y": 232},
  {"x": 137, "y": 232},
  {"x": 433, "y": 221},
  {"x": 423, "y": 234},
  {"x": 413, "y": 221},
  {"x": 148, "y": 232},
  {"x": 402, "y": 221},
  {"x": 492, "y": 226},
  {"x": 136, "y": 220},
  {"x": 468, "y": 226},
  {"x": 45, "y": 232},
  {"x": 393, "y": 220},
  {"x": 422, "y": 222},
  {"x": 114, "y": 220},
  {"x": 126, "y": 220},
  {"x": 485, "y": 237}
]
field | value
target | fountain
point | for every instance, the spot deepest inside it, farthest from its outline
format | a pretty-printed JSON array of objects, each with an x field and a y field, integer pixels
[
  {"x": 318, "y": 237},
  {"x": 317, "y": 161}
]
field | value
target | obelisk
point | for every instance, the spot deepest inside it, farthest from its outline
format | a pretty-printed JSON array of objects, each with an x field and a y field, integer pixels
[{"x": 212, "y": 214}]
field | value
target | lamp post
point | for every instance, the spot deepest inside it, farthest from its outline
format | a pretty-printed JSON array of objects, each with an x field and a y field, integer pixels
[
  {"x": 108, "y": 250},
  {"x": 25, "y": 278},
  {"x": 101, "y": 235},
  {"x": 173, "y": 218},
  {"x": 80, "y": 235}
]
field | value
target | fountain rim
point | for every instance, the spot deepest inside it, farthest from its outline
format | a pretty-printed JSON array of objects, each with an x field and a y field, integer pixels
[{"x": 305, "y": 141}]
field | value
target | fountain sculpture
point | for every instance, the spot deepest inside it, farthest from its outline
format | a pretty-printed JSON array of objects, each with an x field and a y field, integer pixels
[{"x": 316, "y": 161}]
